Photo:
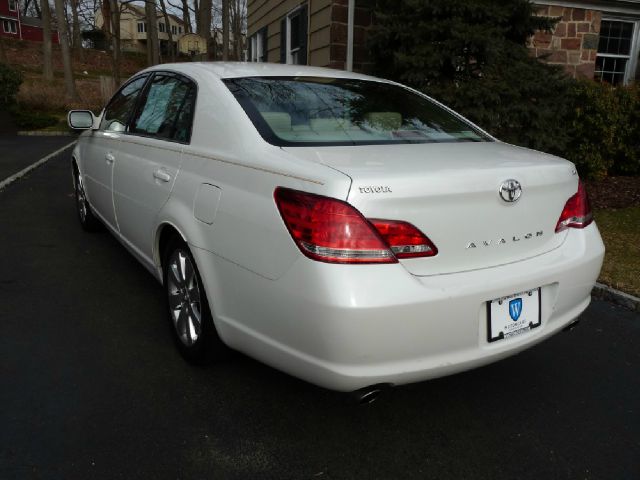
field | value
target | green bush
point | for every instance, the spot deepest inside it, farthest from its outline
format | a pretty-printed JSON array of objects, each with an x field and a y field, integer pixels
[
  {"x": 604, "y": 130},
  {"x": 32, "y": 120},
  {"x": 10, "y": 81}
]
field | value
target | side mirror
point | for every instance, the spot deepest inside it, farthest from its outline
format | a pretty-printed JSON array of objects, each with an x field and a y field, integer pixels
[{"x": 81, "y": 119}]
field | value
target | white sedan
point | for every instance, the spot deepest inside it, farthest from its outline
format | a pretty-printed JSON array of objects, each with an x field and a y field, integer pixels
[{"x": 342, "y": 228}]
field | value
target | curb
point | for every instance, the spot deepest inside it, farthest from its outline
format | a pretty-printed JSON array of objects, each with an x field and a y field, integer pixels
[
  {"x": 8, "y": 181},
  {"x": 44, "y": 133},
  {"x": 604, "y": 292}
]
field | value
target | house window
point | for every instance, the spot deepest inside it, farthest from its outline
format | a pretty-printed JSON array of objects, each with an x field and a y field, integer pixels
[
  {"x": 259, "y": 46},
  {"x": 13, "y": 5},
  {"x": 174, "y": 29},
  {"x": 180, "y": 30},
  {"x": 161, "y": 27},
  {"x": 10, "y": 26},
  {"x": 142, "y": 27},
  {"x": 293, "y": 37},
  {"x": 617, "y": 52}
]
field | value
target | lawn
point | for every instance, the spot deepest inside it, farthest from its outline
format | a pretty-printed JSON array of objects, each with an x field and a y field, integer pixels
[{"x": 620, "y": 230}]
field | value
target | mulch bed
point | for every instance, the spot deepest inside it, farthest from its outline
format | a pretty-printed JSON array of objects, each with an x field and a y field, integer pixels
[{"x": 614, "y": 192}]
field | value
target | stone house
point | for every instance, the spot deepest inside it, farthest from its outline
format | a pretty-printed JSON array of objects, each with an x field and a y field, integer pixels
[{"x": 597, "y": 39}]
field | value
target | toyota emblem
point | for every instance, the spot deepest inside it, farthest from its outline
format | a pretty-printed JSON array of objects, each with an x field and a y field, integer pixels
[{"x": 510, "y": 190}]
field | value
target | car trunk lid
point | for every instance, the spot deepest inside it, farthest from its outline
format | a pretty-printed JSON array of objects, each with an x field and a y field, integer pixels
[{"x": 450, "y": 191}]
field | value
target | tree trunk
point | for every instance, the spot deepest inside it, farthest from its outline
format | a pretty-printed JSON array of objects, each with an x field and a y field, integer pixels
[
  {"x": 172, "y": 51},
  {"x": 186, "y": 16},
  {"x": 77, "y": 37},
  {"x": 225, "y": 30},
  {"x": 47, "y": 62},
  {"x": 3, "y": 53},
  {"x": 153, "y": 50},
  {"x": 69, "y": 82},
  {"x": 204, "y": 19},
  {"x": 114, "y": 29}
]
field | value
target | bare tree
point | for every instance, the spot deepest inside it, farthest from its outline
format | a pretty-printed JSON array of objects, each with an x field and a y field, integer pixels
[
  {"x": 63, "y": 30},
  {"x": 47, "y": 62},
  {"x": 203, "y": 19},
  {"x": 153, "y": 44},
  {"x": 225, "y": 30},
  {"x": 238, "y": 14},
  {"x": 77, "y": 37},
  {"x": 172, "y": 52}
]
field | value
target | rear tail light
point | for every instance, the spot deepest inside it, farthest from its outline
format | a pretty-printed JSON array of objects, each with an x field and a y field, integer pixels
[
  {"x": 405, "y": 240},
  {"x": 330, "y": 230},
  {"x": 576, "y": 212}
]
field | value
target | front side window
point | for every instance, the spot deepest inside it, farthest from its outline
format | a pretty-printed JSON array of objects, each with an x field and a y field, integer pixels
[
  {"x": 613, "y": 61},
  {"x": 142, "y": 27},
  {"x": 305, "y": 111},
  {"x": 120, "y": 109},
  {"x": 161, "y": 27},
  {"x": 12, "y": 5},
  {"x": 167, "y": 109}
]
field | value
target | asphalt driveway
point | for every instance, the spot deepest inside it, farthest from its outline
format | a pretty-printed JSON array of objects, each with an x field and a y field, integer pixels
[
  {"x": 18, "y": 152},
  {"x": 92, "y": 387}
]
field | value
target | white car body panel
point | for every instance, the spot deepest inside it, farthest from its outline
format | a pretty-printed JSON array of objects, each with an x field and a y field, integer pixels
[{"x": 347, "y": 326}]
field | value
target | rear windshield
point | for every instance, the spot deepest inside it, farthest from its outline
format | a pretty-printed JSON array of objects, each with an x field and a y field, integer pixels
[{"x": 306, "y": 111}]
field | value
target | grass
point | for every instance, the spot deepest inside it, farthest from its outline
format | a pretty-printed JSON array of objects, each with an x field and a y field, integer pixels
[{"x": 620, "y": 230}]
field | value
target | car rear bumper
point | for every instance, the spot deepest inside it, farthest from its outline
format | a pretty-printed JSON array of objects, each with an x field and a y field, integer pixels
[{"x": 347, "y": 327}]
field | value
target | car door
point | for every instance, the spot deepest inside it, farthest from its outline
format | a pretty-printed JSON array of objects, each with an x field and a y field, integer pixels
[
  {"x": 150, "y": 156},
  {"x": 102, "y": 146}
]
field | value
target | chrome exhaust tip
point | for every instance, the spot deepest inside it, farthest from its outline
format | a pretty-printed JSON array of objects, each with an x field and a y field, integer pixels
[
  {"x": 571, "y": 326},
  {"x": 368, "y": 395}
]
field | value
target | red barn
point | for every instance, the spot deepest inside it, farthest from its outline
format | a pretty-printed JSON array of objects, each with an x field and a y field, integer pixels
[{"x": 13, "y": 25}]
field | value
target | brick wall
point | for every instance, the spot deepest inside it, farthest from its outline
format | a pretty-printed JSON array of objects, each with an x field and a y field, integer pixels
[
  {"x": 363, "y": 21},
  {"x": 573, "y": 43}
]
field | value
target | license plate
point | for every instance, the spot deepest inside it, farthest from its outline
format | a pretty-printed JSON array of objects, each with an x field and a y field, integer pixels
[{"x": 513, "y": 315}]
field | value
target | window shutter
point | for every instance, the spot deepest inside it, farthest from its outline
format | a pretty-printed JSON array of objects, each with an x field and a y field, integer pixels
[
  {"x": 283, "y": 40},
  {"x": 304, "y": 19},
  {"x": 264, "y": 52}
]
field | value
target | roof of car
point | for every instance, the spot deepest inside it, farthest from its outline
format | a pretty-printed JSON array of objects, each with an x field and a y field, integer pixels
[{"x": 252, "y": 69}]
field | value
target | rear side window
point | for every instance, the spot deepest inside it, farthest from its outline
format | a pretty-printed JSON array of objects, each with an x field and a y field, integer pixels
[
  {"x": 120, "y": 109},
  {"x": 166, "y": 110}
]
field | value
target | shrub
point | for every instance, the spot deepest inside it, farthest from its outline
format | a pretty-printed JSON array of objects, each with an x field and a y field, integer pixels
[
  {"x": 604, "y": 130},
  {"x": 10, "y": 81},
  {"x": 32, "y": 120}
]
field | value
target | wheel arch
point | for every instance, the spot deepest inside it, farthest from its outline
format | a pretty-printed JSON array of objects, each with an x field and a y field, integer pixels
[{"x": 164, "y": 233}]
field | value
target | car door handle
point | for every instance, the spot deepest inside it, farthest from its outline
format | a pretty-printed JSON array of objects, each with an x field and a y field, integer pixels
[
  {"x": 162, "y": 175},
  {"x": 109, "y": 158}
]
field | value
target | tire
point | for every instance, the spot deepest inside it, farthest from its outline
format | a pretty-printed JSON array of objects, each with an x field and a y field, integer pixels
[
  {"x": 189, "y": 314},
  {"x": 88, "y": 221}
]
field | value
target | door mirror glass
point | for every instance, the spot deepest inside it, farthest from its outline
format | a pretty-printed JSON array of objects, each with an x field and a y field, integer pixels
[{"x": 80, "y": 119}]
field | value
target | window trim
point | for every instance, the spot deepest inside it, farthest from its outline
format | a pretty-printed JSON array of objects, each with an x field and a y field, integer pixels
[
  {"x": 143, "y": 95},
  {"x": 634, "y": 49},
  {"x": 15, "y": 5}
]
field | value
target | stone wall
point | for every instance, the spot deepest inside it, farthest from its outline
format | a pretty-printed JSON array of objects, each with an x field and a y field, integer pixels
[{"x": 574, "y": 41}]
